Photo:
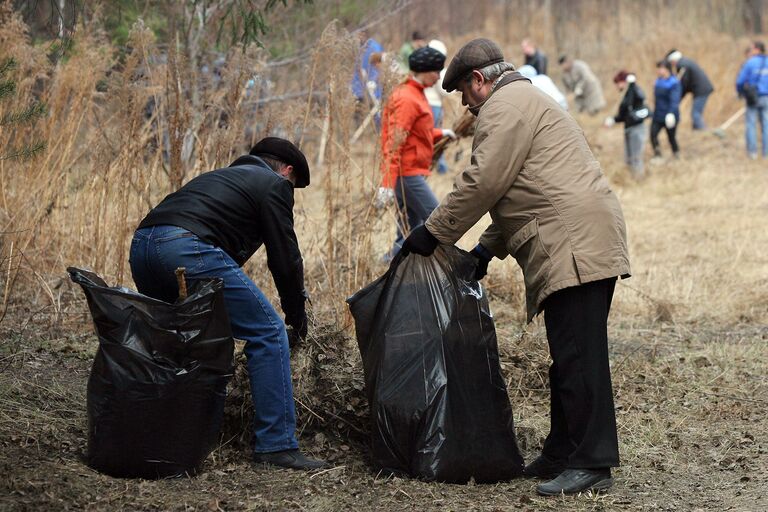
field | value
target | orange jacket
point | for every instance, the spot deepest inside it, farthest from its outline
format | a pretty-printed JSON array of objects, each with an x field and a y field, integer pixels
[{"x": 408, "y": 134}]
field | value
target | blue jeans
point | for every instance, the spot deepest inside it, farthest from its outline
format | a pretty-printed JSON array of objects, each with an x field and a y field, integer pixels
[
  {"x": 415, "y": 201},
  {"x": 437, "y": 113},
  {"x": 157, "y": 251},
  {"x": 697, "y": 112},
  {"x": 757, "y": 114}
]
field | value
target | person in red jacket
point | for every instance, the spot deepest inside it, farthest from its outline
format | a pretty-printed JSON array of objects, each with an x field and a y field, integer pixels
[{"x": 407, "y": 137}]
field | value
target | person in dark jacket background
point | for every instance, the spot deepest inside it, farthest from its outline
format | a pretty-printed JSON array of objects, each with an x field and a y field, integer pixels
[
  {"x": 667, "y": 93},
  {"x": 693, "y": 80},
  {"x": 534, "y": 56},
  {"x": 212, "y": 226},
  {"x": 632, "y": 112}
]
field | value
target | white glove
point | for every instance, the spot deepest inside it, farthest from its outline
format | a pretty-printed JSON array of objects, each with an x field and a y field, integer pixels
[
  {"x": 670, "y": 121},
  {"x": 447, "y": 132},
  {"x": 384, "y": 197},
  {"x": 609, "y": 121},
  {"x": 578, "y": 90}
]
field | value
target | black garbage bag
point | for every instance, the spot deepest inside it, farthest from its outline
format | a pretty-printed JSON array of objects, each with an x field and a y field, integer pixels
[
  {"x": 439, "y": 405},
  {"x": 157, "y": 387}
]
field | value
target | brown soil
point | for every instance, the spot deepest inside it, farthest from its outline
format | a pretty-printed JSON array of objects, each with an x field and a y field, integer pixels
[{"x": 690, "y": 402}]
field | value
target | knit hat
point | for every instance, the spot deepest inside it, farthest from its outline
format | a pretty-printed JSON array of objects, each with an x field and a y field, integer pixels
[
  {"x": 286, "y": 152},
  {"x": 476, "y": 54},
  {"x": 426, "y": 59}
]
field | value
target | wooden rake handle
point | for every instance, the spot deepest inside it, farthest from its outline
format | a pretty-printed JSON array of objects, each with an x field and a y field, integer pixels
[{"x": 182, "y": 282}]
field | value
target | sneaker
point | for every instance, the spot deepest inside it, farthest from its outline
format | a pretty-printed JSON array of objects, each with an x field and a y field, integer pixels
[
  {"x": 574, "y": 481},
  {"x": 291, "y": 459},
  {"x": 753, "y": 156}
]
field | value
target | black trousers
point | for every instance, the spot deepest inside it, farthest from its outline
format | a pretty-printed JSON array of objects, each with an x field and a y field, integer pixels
[
  {"x": 656, "y": 127},
  {"x": 583, "y": 419}
]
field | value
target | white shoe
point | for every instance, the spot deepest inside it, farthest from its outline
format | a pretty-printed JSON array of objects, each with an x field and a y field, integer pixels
[{"x": 753, "y": 156}]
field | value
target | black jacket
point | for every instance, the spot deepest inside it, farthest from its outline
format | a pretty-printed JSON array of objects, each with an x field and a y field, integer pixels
[
  {"x": 692, "y": 78},
  {"x": 538, "y": 60},
  {"x": 239, "y": 208},
  {"x": 633, "y": 100}
]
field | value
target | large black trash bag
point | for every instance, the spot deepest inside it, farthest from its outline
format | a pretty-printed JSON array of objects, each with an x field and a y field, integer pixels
[
  {"x": 157, "y": 386},
  {"x": 439, "y": 405}
]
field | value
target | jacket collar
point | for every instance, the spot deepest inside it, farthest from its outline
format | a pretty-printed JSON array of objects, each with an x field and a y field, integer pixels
[
  {"x": 249, "y": 160},
  {"x": 415, "y": 83},
  {"x": 505, "y": 78}
]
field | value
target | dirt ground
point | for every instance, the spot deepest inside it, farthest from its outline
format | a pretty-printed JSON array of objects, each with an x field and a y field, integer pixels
[{"x": 689, "y": 352}]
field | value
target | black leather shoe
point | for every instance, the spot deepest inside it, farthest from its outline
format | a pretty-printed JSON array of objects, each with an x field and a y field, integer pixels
[
  {"x": 574, "y": 481},
  {"x": 292, "y": 459},
  {"x": 544, "y": 467}
]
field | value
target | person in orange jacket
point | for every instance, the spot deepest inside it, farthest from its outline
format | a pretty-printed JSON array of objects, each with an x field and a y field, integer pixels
[{"x": 407, "y": 137}]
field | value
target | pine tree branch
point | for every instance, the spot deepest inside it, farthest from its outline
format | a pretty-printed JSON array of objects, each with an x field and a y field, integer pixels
[
  {"x": 25, "y": 116},
  {"x": 7, "y": 65},
  {"x": 25, "y": 152},
  {"x": 7, "y": 88}
]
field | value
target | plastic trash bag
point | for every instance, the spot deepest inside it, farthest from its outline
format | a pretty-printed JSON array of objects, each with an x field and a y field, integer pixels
[
  {"x": 439, "y": 405},
  {"x": 157, "y": 387}
]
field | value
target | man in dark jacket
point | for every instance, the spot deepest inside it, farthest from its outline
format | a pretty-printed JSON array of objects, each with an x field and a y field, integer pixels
[
  {"x": 534, "y": 57},
  {"x": 693, "y": 80},
  {"x": 211, "y": 226}
]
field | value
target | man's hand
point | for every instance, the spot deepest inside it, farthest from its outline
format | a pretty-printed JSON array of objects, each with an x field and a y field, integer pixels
[
  {"x": 298, "y": 327},
  {"x": 609, "y": 121},
  {"x": 447, "y": 132},
  {"x": 670, "y": 121},
  {"x": 384, "y": 197},
  {"x": 483, "y": 259},
  {"x": 420, "y": 241}
]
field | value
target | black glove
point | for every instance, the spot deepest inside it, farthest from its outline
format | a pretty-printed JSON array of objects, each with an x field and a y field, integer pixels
[
  {"x": 420, "y": 241},
  {"x": 483, "y": 259},
  {"x": 299, "y": 325}
]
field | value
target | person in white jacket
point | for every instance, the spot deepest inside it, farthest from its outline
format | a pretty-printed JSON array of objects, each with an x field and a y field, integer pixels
[
  {"x": 435, "y": 96},
  {"x": 544, "y": 83}
]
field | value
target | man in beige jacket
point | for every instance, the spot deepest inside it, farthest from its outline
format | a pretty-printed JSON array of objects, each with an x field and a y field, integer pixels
[{"x": 554, "y": 212}]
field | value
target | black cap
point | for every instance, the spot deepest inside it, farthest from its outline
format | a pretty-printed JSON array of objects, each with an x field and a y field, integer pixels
[
  {"x": 286, "y": 152},
  {"x": 426, "y": 59},
  {"x": 476, "y": 54}
]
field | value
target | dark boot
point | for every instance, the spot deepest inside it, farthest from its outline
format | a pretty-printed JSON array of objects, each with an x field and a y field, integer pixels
[
  {"x": 544, "y": 467},
  {"x": 292, "y": 459},
  {"x": 574, "y": 481}
]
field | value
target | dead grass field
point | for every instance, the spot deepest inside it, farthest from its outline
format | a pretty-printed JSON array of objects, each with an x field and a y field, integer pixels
[
  {"x": 688, "y": 350},
  {"x": 688, "y": 332}
]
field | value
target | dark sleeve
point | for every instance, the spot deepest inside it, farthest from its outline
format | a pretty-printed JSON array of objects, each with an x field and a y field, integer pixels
[
  {"x": 621, "y": 116},
  {"x": 639, "y": 100},
  {"x": 686, "y": 80},
  {"x": 543, "y": 64},
  {"x": 283, "y": 254}
]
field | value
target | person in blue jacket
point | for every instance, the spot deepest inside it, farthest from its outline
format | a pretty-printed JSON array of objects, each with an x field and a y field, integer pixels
[
  {"x": 365, "y": 81},
  {"x": 752, "y": 85},
  {"x": 667, "y": 92}
]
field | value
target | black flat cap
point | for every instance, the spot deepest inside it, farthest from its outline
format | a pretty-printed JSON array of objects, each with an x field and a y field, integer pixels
[
  {"x": 426, "y": 59},
  {"x": 476, "y": 54},
  {"x": 286, "y": 152}
]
